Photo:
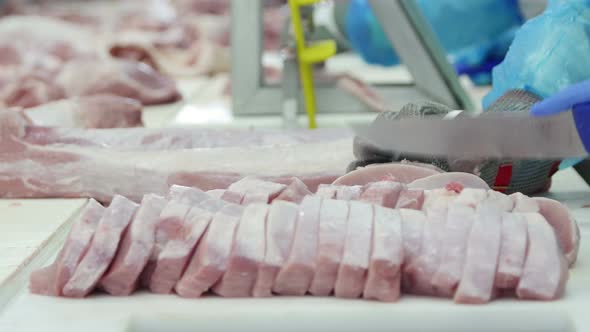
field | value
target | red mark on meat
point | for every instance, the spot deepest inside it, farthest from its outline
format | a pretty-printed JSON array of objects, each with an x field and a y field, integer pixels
[{"x": 455, "y": 186}]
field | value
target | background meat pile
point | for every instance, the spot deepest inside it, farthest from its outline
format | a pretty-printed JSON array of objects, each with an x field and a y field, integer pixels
[
  {"x": 376, "y": 241},
  {"x": 134, "y": 49}
]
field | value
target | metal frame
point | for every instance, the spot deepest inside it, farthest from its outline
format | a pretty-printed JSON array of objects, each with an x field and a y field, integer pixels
[{"x": 434, "y": 78}]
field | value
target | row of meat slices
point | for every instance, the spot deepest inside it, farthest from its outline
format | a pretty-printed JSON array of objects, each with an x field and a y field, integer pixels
[{"x": 374, "y": 241}]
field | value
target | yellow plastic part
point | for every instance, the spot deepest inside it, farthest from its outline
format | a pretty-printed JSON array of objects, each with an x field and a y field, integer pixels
[{"x": 308, "y": 55}]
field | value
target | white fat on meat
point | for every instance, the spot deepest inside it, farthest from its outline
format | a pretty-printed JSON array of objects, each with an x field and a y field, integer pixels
[
  {"x": 50, "y": 280},
  {"x": 504, "y": 202},
  {"x": 135, "y": 248},
  {"x": 280, "y": 231},
  {"x": 349, "y": 193},
  {"x": 211, "y": 258},
  {"x": 391, "y": 172},
  {"x": 327, "y": 191},
  {"x": 513, "y": 250},
  {"x": 296, "y": 275},
  {"x": 545, "y": 269},
  {"x": 247, "y": 255},
  {"x": 564, "y": 225},
  {"x": 255, "y": 190},
  {"x": 383, "y": 193},
  {"x": 102, "y": 249},
  {"x": 413, "y": 223},
  {"x": 524, "y": 204},
  {"x": 384, "y": 275},
  {"x": 352, "y": 273},
  {"x": 332, "y": 235},
  {"x": 442, "y": 179},
  {"x": 481, "y": 260}
]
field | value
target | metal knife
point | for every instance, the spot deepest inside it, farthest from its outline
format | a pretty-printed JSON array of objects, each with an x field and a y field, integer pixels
[{"x": 491, "y": 135}]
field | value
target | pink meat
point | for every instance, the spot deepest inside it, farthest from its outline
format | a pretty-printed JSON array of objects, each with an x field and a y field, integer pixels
[
  {"x": 176, "y": 254},
  {"x": 460, "y": 218},
  {"x": 256, "y": 190},
  {"x": 295, "y": 192},
  {"x": 413, "y": 223},
  {"x": 512, "y": 250},
  {"x": 123, "y": 78},
  {"x": 352, "y": 272},
  {"x": 296, "y": 275},
  {"x": 247, "y": 254},
  {"x": 349, "y": 193},
  {"x": 102, "y": 248},
  {"x": 545, "y": 269},
  {"x": 232, "y": 197},
  {"x": 280, "y": 231},
  {"x": 383, "y": 280},
  {"x": 100, "y": 111},
  {"x": 327, "y": 191},
  {"x": 50, "y": 280},
  {"x": 374, "y": 173},
  {"x": 410, "y": 199},
  {"x": 481, "y": 260},
  {"x": 34, "y": 171},
  {"x": 442, "y": 179},
  {"x": 384, "y": 193},
  {"x": 210, "y": 260},
  {"x": 135, "y": 249},
  {"x": 524, "y": 204},
  {"x": 564, "y": 225},
  {"x": 332, "y": 234}
]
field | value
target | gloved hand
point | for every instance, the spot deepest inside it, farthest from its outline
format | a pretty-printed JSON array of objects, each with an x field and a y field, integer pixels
[
  {"x": 474, "y": 51},
  {"x": 575, "y": 98}
]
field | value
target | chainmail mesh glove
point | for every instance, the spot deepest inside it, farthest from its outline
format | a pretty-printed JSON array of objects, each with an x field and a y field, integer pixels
[{"x": 526, "y": 176}]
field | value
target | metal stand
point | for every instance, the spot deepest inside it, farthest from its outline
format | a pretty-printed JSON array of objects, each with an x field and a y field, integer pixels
[{"x": 413, "y": 40}]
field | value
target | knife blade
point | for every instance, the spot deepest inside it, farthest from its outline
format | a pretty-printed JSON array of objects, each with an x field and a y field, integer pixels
[{"x": 491, "y": 135}]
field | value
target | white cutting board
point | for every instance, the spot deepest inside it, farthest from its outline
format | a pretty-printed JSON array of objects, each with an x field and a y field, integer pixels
[{"x": 149, "y": 313}]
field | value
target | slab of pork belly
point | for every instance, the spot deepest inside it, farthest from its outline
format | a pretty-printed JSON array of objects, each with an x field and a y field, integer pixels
[
  {"x": 545, "y": 269},
  {"x": 384, "y": 193},
  {"x": 383, "y": 280},
  {"x": 332, "y": 234},
  {"x": 186, "y": 195},
  {"x": 135, "y": 249},
  {"x": 524, "y": 204},
  {"x": 512, "y": 250},
  {"x": 296, "y": 275},
  {"x": 280, "y": 231},
  {"x": 50, "y": 280},
  {"x": 210, "y": 260},
  {"x": 352, "y": 272},
  {"x": 102, "y": 249},
  {"x": 410, "y": 199},
  {"x": 256, "y": 190},
  {"x": 176, "y": 253},
  {"x": 349, "y": 193},
  {"x": 564, "y": 225},
  {"x": 418, "y": 274},
  {"x": 413, "y": 222},
  {"x": 295, "y": 192},
  {"x": 481, "y": 261},
  {"x": 233, "y": 197},
  {"x": 327, "y": 191},
  {"x": 247, "y": 254}
]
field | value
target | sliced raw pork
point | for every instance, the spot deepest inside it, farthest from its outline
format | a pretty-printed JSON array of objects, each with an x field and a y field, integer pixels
[
  {"x": 280, "y": 231},
  {"x": 297, "y": 274},
  {"x": 384, "y": 193},
  {"x": 295, "y": 192},
  {"x": 102, "y": 249},
  {"x": 512, "y": 250}
]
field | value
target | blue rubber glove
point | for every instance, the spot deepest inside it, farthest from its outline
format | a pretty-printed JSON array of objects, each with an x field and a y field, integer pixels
[
  {"x": 575, "y": 98},
  {"x": 474, "y": 51}
]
